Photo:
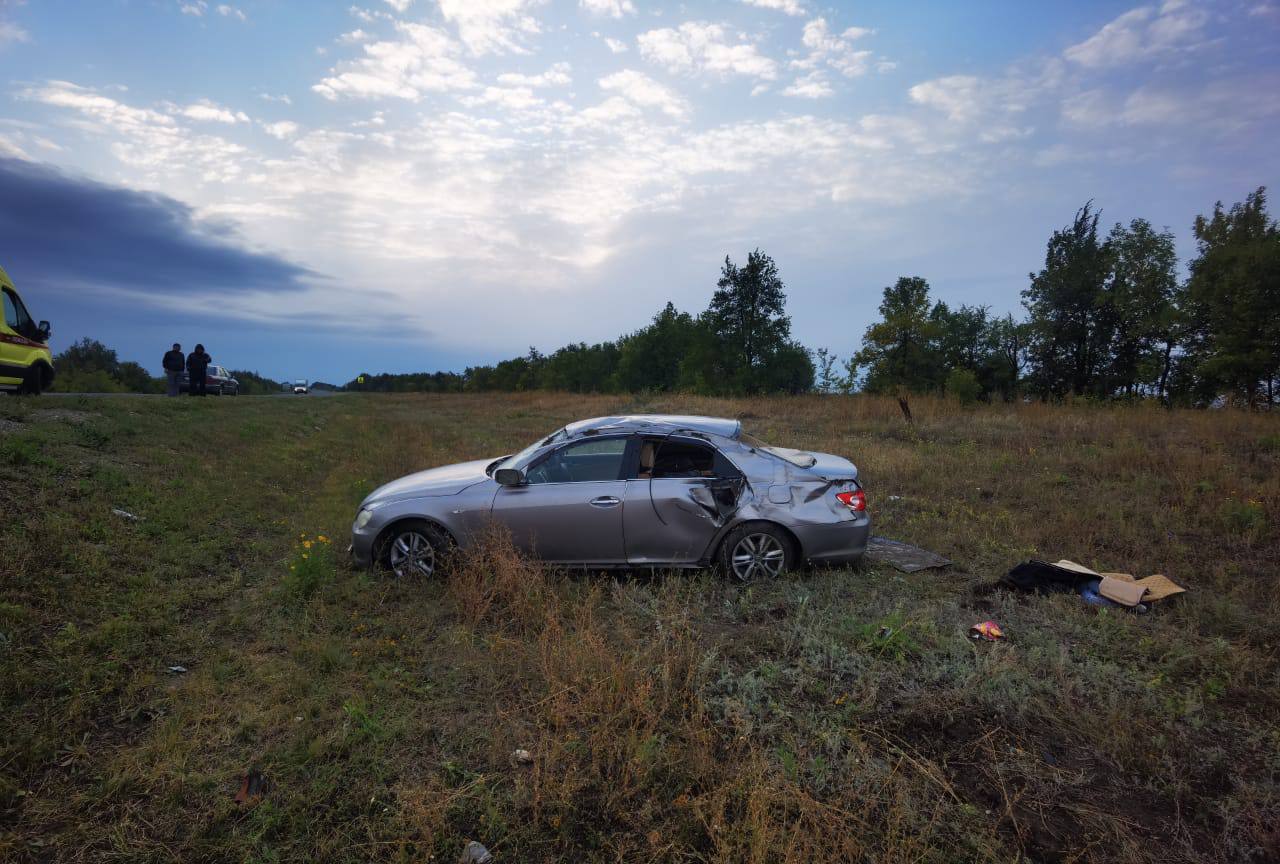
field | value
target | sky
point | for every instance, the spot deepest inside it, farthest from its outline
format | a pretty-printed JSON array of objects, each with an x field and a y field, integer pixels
[{"x": 317, "y": 189}]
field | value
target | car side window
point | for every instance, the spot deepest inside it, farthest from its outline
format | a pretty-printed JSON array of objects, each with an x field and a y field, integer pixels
[
  {"x": 10, "y": 311},
  {"x": 668, "y": 458},
  {"x": 582, "y": 462}
]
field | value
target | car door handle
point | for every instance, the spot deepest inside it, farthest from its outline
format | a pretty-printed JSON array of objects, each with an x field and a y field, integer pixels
[{"x": 605, "y": 501}]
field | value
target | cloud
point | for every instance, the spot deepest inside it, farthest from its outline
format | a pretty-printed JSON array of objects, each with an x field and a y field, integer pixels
[
  {"x": 423, "y": 60},
  {"x": 400, "y": 6},
  {"x": 811, "y": 86},
  {"x": 791, "y": 7},
  {"x": 195, "y": 7},
  {"x": 608, "y": 8},
  {"x": 617, "y": 46},
  {"x": 209, "y": 112},
  {"x": 68, "y": 233},
  {"x": 696, "y": 46},
  {"x": 641, "y": 90},
  {"x": 232, "y": 12},
  {"x": 283, "y": 130},
  {"x": 836, "y": 51},
  {"x": 11, "y": 33},
  {"x": 556, "y": 76},
  {"x": 1144, "y": 33},
  {"x": 492, "y": 26}
]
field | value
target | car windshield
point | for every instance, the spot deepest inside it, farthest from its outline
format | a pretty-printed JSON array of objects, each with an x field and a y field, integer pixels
[{"x": 523, "y": 456}]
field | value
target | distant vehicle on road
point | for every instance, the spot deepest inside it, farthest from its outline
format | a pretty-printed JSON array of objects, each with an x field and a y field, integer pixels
[
  {"x": 629, "y": 491},
  {"x": 26, "y": 364},
  {"x": 300, "y": 386},
  {"x": 218, "y": 381}
]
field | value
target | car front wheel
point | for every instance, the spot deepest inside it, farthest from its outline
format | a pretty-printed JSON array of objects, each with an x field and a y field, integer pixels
[
  {"x": 414, "y": 549},
  {"x": 757, "y": 550}
]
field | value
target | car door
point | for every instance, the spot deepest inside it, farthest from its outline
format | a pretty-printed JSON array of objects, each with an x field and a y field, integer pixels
[
  {"x": 12, "y": 367},
  {"x": 675, "y": 504},
  {"x": 570, "y": 509}
]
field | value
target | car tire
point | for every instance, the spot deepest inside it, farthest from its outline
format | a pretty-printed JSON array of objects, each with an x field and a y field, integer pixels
[
  {"x": 33, "y": 383},
  {"x": 756, "y": 551},
  {"x": 413, "y": 549}
]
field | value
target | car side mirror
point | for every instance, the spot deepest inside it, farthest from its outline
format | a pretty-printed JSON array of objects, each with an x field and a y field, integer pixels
[
  {"x": 45, "y": 330},
  {"x": 509, "y": 477}
]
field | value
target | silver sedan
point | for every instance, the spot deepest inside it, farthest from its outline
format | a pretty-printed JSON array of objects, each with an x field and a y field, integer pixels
[{"x": 630, "y": 491}]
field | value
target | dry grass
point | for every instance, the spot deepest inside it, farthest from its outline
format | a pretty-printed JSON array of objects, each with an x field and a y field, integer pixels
[{"x": 670, "y": 718}]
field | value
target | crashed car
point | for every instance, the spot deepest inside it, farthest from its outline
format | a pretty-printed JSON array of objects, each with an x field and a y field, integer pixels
[{"x": 635, "y": 491}]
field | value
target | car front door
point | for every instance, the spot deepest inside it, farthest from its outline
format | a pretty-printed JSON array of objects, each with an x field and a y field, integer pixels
[
  {"x": 677, "y": 500},
  {"x": 12, "y": 369},
  {"x": 569, "y": 511}
]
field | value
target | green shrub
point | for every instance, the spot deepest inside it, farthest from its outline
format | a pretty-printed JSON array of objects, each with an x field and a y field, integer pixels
[{"x": 963, "y": 386}]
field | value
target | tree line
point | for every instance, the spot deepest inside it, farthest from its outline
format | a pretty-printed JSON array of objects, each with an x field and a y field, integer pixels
[
  {"x": 741, "y": 343},
  {"x": 1108, "y": 316}
]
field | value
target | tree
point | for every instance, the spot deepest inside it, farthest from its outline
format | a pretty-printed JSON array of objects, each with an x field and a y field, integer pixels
[
  {"x": 1007, "y": 343},
  {"x": 1232, "y": 301},
  {"x": 1070, "y": 325},
  {"x": 650, "y": 358},
  {"x": 900, "y": 352},
  {"x": 1139, "y": 297},
  {"x": 828, "y": 380},
  {"x": 747, "y": 319}
]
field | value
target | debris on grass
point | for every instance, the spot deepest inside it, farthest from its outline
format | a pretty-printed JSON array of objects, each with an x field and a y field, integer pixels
[
  {"x": 475, "y": 853},
  {"x": 253, "y": 786},
  {"x": 124, "y": 514},
  {"x": 1097, "y": 589},
  {"x": 523, "y": 757},
  {"x": 987, "y": 630},
  {"x": 178, "y": 670},
  {"x": 903, "y": 556}
]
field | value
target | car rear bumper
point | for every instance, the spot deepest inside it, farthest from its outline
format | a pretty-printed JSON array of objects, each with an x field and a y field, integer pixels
[{"x": 840, "y": 543}]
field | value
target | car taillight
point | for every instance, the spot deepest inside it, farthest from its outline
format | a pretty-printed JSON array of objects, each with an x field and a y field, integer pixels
[{"x": 855, "y": 500}]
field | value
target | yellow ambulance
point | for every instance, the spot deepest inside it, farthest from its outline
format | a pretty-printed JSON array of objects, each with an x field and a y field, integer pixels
[{"x": 26, "y": 365}]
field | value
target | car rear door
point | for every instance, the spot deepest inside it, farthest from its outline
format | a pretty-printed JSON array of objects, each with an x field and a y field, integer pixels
[
  {"x": 570, "y": 510},
  {"x": 674, "y": 508}
]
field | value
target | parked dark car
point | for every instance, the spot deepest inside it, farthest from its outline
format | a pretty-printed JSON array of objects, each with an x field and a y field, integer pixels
[{"x": 217, "y": 379}]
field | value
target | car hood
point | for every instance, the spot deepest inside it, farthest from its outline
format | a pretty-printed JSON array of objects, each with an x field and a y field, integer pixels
[{"x": 434, "y": 482}]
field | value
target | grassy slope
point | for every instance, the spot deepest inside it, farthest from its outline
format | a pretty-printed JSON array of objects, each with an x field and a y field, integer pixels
[{"x": 670, "y": 719}]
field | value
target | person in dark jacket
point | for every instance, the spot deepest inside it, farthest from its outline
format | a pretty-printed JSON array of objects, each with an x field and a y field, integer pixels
[
  {"x": 197, "y": 366},
  {"x": 174, "y": 362}
]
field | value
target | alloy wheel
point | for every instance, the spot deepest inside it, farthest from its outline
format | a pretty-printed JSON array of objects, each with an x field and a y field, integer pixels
[
  {"x": 412, "y": 555},
  {"x": 758, "y": 555}
]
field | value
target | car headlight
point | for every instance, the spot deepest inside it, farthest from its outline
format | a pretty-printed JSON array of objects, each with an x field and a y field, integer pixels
[{"x": 363, "y": 517}]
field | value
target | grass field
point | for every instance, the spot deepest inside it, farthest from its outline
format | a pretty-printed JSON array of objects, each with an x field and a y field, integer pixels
[{"x": 837, "y": 715}]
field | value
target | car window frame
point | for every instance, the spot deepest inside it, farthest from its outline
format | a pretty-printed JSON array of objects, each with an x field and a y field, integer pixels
[
  {"x": 11, "y": 300},
  {"x": 634, "y": 468},
  {"x": 630, "y": 455}
]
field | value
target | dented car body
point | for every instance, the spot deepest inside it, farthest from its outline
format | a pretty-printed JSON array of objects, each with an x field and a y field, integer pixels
[{"x": 629, "y": 491}]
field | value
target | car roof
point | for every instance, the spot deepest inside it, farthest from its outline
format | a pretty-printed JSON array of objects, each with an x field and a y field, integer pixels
[{"x": 723, "y": 427}]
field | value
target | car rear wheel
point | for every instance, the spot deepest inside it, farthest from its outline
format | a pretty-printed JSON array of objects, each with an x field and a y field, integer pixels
[
  {"x": 414, "y": 549},
  {"x": 757, "y": 550}
]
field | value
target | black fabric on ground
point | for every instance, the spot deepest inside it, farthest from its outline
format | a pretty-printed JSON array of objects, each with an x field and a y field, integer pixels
[{"x": 1045, "y": 578}]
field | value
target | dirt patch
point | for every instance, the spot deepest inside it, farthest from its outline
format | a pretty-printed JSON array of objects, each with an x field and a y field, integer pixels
[{"x": 9, "y": 425}]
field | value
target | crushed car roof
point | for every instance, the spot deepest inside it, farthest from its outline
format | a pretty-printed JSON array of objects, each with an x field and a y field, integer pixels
[{"x": 661, "y": 423}]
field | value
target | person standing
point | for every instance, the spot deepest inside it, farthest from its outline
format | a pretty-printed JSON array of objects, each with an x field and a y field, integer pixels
[
  {"x": 197, "y": 367},
  {"x": 174, "y": 363}
]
